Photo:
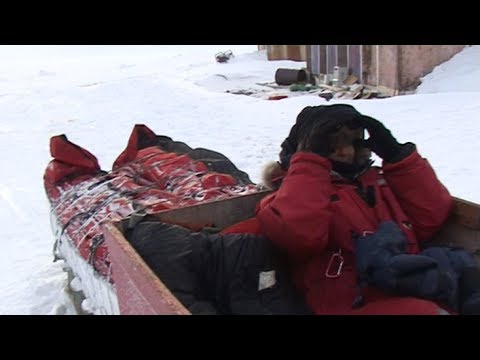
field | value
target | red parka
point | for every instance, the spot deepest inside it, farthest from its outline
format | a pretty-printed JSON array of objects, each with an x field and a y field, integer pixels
[{"x": 315, "y": 214}]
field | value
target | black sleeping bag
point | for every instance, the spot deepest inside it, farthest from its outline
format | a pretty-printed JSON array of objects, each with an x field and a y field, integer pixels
[{"x": 218, "y": 274}]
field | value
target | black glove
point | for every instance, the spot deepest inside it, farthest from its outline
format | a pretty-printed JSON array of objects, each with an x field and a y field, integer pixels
[
  {"x": 382, "y": 142},
  {"x": 316, "y": 140}
]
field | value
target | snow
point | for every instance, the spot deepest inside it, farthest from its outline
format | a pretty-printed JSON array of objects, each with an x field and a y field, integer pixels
[
  {"x": 459, "y": 74},
  {"x": 95, "y": 94}
]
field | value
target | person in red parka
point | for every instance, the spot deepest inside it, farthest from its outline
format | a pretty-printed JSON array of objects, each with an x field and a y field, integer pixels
[{"x": 328, "y": 194}]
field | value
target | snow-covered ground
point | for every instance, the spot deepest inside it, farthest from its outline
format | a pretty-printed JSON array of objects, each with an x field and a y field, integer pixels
[
  {"x": 95, "y": 94},
  {"x": 459, "y": 74}
]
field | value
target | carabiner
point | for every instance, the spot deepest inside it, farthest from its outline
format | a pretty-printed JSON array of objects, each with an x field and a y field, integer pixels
[{"x": 338, "y": 258}]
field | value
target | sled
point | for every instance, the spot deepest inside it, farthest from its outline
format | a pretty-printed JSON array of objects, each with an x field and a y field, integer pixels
[
  {"x": 140, "y": 291},
  {"x": 113, "y": 277}
]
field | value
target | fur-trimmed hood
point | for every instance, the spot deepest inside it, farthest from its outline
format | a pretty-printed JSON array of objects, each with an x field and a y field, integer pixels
[{"x": 272, "y": 175}]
